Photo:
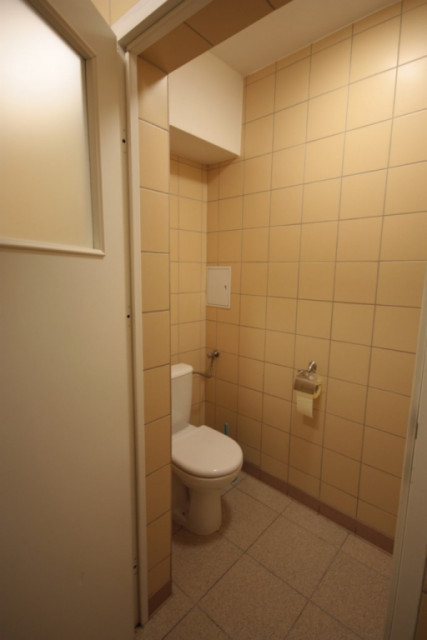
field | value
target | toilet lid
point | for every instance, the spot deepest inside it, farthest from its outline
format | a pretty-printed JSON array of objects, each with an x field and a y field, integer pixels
[{"x": 205, "y": 452}]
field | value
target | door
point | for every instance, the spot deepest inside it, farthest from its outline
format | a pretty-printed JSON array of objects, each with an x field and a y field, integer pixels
[
  {"x": 411, "y": 537},
  {"x": 66, "y": 470}
]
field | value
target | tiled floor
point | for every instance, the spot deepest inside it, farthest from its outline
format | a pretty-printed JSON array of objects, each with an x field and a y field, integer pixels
[{"x": 276, "y": 569}]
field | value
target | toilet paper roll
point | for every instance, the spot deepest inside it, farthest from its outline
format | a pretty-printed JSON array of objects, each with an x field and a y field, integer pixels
[{"x": 305, "y": 403}]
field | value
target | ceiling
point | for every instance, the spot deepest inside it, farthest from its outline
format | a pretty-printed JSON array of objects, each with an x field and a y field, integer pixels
[{"x": 292, "y": 27}]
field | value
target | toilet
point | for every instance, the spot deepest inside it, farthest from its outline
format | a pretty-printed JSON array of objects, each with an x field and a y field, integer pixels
[{"x": 204, "y": 461}]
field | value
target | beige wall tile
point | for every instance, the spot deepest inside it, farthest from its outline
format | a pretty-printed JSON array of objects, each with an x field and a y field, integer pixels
[
  {"x": 158, "y": 488},
  {"x": 409, "y": 139},
  {"x": 375, "y": 49},
  {"x": 413, "y": 40},
  {"x": 363, "y": 195},
  {"x": 157, "y": 444},
  {"x": 227, "y": 337},
  {"x": 159, "y": 538},
  {"x": 316, "y": 280},
  {"x": 290, "y": 126},
  {"x": 284, "y": 243},
  {"x": 349, "y": 362},
  {"x": 155, "y": 281},
  {"x": 276, "y": 412},
  {"x": 339, "y": 500},
  {"x": 383, "y": 451},
  {"x": 258, "y": 137},
  {"x": 152, "y": 94},
  {"x": 401, "y": 283},
  {"x": 191, "y": 277},
  {"x": 371, "y": 100},
  {"x": 256, "y": 209},
  {"x": 321, "y": 200},
  {"x": 189, "y": 336},
  {"x": 294, "y": 57},
  {"x": 308, "y": 349},
  {"x": 190, "y": 307},
  {"x": 353, "y": 322},
  {"x": 226, "y": 394},
  {"x": 159, "y": 576},
  {"x": 314, "y": 318},
  {"x": 281, "y": 314},
  {"x": 282, "y": 279},
  {"x": 259, "y": 99},
  {"x": 327, "y": 114},
  {"x": 366, "y": 149},
  {"x": 232, "y": 314},
  {"x": 190, "y": 246},
  {"x": 356, "y": 282},
  {"x": 279, "y": 348},
  {"x": 292, "y": 84},
  {"x": 154, "y": 221},
  {"x": 318, "y": 241},
  {"x": 229, "y": 246},
  {"x": 307, "y": 428},
  {"x": 250, "y": 403},
  {"x": 190, "y": 180},
  {"x": 305, "y": 456},
  {"x": 396, "y": 328},
  {"x": 251, "y": 373},
  {"x": 255, "y": 245},
  {"x": 359, "y": 239},
  {"x": 156, "y": 338},
  {"x": 249, "y": 433},
  {"x": 226, "y": 367},
  {"x": 286, "y": 206},
  {"x": 288, "y": 167},
  {"x": 406, "y": 189},
  {"x": 324, "y": 158},
  {"x": 190, "y": 214},
  {"x": 307, "y": 483},
  {"x": 343, "y": 436},
  {"x": 253, "y": 311},
  {"x": 340, "y": 472},
  {"x": 254, "y": 278},
  {"x": 231, "y": 180},
  {"x": 376, "y": 518},
  {"x": 258, "y": 75},
  {"x": 346, "y": 400},
  {"x": 157, "y": 393},
  {"x": 411, "y": 87},
  {"x": 275, "y": 443},
  {"x": 335, "y": 37},
  {"x": 392, "y": 370},
  {"x": 230, "y": 214},
  {"x": 377, "y": 17},
  {"x": 278, "y": 381},
  {"x": 257, "y": 174},
  {"x": 379, "y": 489},
  {"x": 251, "y": 343},
  {"x": 153, "y": 157},
  {"x": 387, "y": 411},
  {"x": 330, "y": 68}
]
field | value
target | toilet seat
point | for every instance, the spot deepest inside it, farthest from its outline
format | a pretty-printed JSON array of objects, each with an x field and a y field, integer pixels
[{"x": 202, "y": 451}]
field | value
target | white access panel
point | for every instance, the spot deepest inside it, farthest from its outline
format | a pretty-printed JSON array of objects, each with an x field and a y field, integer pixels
[{"x": 218, "y": 286}]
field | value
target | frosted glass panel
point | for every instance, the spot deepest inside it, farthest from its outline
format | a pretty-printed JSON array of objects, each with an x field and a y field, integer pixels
[{"x": 45, "y": 189}]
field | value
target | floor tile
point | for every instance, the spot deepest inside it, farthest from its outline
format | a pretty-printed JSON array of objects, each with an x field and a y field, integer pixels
[
  {"x": 315, "y": 523},
  {"x": 355, "y": 595},
  {"x": 294, "y": 554},
  {"x": 166, "y": 617},
  {"x": 262, "y": 492},
  {"x": 196, "y": 626},
  {"x": 315, "y": 624},
  {"x": 369, "y": 554},
  {"x": 244, "y": 518},
  {"x": 249, "y": 603},
  {"x": 199, "y": 561}
]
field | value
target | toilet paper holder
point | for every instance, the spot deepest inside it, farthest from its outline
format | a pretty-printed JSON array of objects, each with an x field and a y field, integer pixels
[{"x": 308, "y": 381}]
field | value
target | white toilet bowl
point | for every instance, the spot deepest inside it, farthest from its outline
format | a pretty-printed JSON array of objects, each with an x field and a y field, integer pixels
[{"x": 204, "y": 462}]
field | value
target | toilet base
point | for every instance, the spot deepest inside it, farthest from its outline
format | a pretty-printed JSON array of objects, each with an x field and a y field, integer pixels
[{"x": 198, "y": 510}]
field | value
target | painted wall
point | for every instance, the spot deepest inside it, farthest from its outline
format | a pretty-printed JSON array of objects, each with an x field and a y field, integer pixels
[{"x": 323, "y": 221}]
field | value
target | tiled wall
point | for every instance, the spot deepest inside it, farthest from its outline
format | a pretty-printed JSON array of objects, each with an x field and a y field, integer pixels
[
  {"x": 188, "y": 218},
  {"x": 421, "y": 630},
  {"x": 323, "y": 220},
  {"x": 154, "y": 202}
]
